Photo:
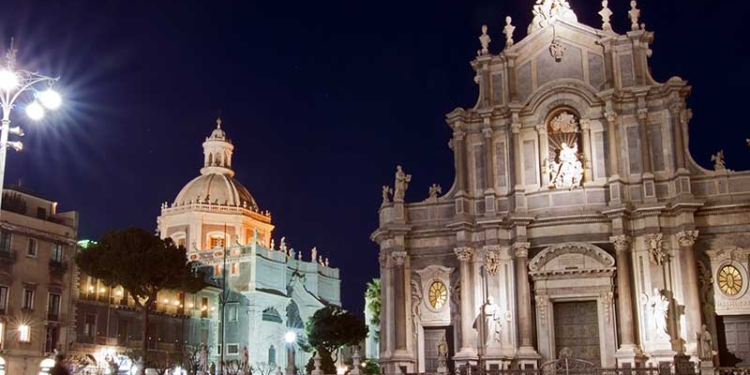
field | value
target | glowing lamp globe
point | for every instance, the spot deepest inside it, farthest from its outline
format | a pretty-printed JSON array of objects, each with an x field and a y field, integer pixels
[
  {"x": 8, "y": 80},
  {"x": 290, "y": 337},
  {"x": 50, "y": 99},
  {"x": 35, "y": 111}
]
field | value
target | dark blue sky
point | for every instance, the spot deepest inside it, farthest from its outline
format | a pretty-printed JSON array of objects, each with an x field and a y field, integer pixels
[{"x": 321, "y": 98}]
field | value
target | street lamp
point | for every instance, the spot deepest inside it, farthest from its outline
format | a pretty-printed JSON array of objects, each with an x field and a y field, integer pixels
[
  {"x": 13, "y": 83},
  {"x": 290, "y": 338}
]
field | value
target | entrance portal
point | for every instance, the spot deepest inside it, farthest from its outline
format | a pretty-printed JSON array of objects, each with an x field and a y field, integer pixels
[
  {"x": 432, "y": 338},
  {"x": 734, "y": 340},
  {"x": 577, "y": 328}
]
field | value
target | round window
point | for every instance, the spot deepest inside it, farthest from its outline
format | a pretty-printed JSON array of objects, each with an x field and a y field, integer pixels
[
  {"x": 730, "y": 280},
  {"x": 438, "y": 295}
]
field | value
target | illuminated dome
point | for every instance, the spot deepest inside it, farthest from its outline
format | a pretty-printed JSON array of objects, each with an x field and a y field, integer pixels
[{"x": 216, "y": 184}]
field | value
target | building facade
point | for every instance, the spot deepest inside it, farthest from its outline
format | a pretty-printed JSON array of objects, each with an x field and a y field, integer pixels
[
  {"x": 36, "y": 246},
  {"x": 578, "y": 223},
  {"x": 271, "y": 288}
]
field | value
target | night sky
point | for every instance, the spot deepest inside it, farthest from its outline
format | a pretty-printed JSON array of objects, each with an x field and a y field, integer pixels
[{"x": 321, "y": 98}]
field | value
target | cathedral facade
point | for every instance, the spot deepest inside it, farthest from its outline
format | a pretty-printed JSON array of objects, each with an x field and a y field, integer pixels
[
  {"x": 578, "y": 224},
  {"x": 271, "y": 289}
]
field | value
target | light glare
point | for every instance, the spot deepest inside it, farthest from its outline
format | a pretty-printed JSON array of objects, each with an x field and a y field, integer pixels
[
  {"x": 35, "y": 111},
  {"x": 290, "y": 337},
  {"x": 8, "y": 80},
  {"x": 50, "y": 99}
]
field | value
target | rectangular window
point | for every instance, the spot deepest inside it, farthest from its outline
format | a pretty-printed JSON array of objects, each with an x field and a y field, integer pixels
[
  {"x": 53, "y": 307},
  {"x": 28, "y": 299},
  {"x": 57, "y": 252},
  {"x": 31, "y": 249},
  {"x": 233, "y": 348},
  {"x": 235, "y": 269},
  {"x": 204, "y": 307},
  {"x": 51, "y": 338},
  {"x": 218, "y": 349},
  {"x": 2, "y": 334},
  {"x": 24, "y": 333},
  {"x": 217, "y": 270},
  {"x": 89, "y": 326},
  {"x": 5, "y": 241},
  {"x": 217, "y": 242},
  {"x": 41, "y": 213},
  {"x": 232, "y": 309},
  {"x": 3, "y": 299}
]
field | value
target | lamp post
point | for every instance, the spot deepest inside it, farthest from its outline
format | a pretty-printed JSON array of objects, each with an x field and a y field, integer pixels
[
  {"x": 290, "y": 338},
  {"x": 13, "y": 83}
]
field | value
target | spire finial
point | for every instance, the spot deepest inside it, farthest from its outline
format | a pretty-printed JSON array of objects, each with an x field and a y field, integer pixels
[
  {"x": 606, "y": 13},
  {"x": 634, "y": 14},
  {"x": 218, "y": 122}
]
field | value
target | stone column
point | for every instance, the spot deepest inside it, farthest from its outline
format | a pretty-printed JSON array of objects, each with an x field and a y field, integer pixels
[
  {"x": 488, "y": 164},
  {"x": 524, "y": 295},
  {"x": 624, "y": 293},
  {"x": 517, "y": 158},
  {"x": 692, "y": 302},
  {"x": 397, "y": 272},
  {"x": 467, "y": 351},
  {"x": 586, "y": 142},
  {"x": 614, "y": 164},
  {"x": 385, "y": 324},
  {"x": 679, "y": 141},
  {"x": 459, "y": 148},
  {"x": 543, "y": 153}
]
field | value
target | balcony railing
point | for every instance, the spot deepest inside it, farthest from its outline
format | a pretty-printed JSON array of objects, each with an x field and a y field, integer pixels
[{"x": 58, "y": 266}]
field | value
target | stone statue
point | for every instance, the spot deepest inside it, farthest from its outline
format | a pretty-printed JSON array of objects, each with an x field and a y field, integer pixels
[
  {"x": 255, "y": 235},
  {"x": 655, "y": 243},
  {"x": 492, "y": 322},
  {"x": 326, "y": 262},
  {"x": 567, "y": 170},
  {"x": 435, "y": 190},
  {"x": 245, "y": 361},
  {"x": 508, "y": 31},
  {"x": 402, "y": 183},
  {"x": 705, "y": 344},
  {"x": 273, "y": 244},
  {"x": 606, "y": 13},
  {"x": 320, "y": 260},
  {"x": 442, "y": 351},
  {"x": 545, "y": 10},
  {"x": 634, "y": 14},
  {"x": 557, "y": 49},
  {"x": 282, "y": 246},
  {"x": 718, "y": 160},
  {"x": 299, "y": 256},
  {"x": 314, "y": 254},
  {"x": 657, "y": 306},
  {"x": 203, "y": 358},
  {"x": 484, "y": 40},
  {"x": 387, "y": 191}
]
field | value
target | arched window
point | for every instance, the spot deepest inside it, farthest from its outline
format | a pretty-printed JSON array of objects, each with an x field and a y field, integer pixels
[
  {"x": 271, "y": 315},
  {"x": 293, "y": 319},
  {"x": 210, "y": 159},
  {"x": 218, "y": 159},
  {"x": 272, "y": 356},
  {"x": 565, "y": 154}
]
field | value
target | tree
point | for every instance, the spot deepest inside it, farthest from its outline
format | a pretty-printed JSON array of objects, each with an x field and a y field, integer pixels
[
  {"x": 333, "y": 328},
  {"x": 143, "y": 264},
  {"x": 327, "y": 365},
  {"x": 372, "y": 299}
]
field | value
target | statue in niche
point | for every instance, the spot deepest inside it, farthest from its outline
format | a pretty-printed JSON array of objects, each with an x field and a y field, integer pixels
[
  {"x": 566, "y": 171},
  {"x": 402, "y": 183},
  {"x": 657, "y": 306},
  {"x": 705, "y": 342},
  {"x": 492, "y": 322}
]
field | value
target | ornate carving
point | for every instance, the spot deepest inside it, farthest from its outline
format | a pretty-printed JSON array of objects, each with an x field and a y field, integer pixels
[
  {"x": 455, "y": 300},
  {"x": 611, "y": 116},
  {"x": 521, "y": 249},
  {"x": 458, "y": 134},
  {"x": 398, "y": 257},
  {"x": 416, "y": 301},
  {"x": 401, "y": 184},
  {"x": 621, "y": 242},
  {"x": 545, "y": 10},
  {"x": 642, "y": 114},
  {"x": 464, "y": 253},
  {"x": 515, "y": 128},
  {"x": 383, "y": 259},
  {"x": 557, "y": 49},
  {"x": 605, "y": 13},
  {"x": 566, "y": 170},
  {"x": 488, "y": 132},
  {"x": 492, "y": 259},
  {"x": 718, "y": 160},
  {"x": 435, "y": 190},
  {"x": 655, "y": 246},
  {"x": 387, "y": 191},
  {"x": 634, "y": 14},
  {"x": 508, "y": 31},
  {"x": 541, "y": 306},
  {"x": 657, "y": 306},
  {"x": 484, "y": 40},
  {"x": 606, "y": 299},
  {"x": 565, "y": 122},
  {"x": 687, "y": 237},
  {"x": 537, "y": 264}
]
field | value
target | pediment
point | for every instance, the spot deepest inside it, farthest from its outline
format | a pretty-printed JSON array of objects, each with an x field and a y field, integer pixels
[
  {"x": 570, "y": 33},
  {"x": 571, "y": 257}
]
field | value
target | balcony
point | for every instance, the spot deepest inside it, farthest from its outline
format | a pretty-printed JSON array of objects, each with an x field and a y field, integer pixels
[
  {"x": 7, "y": 256},
  {"x": 58, "y": 266}
]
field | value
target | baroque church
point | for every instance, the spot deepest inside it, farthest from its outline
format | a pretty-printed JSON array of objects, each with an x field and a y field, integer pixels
[
  {"x": 578, "y": 224},
  {"x": 272, "y": 289}
]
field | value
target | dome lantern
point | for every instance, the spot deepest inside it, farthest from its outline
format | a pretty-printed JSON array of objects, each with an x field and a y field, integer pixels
[{"x": 217, "y": 153}]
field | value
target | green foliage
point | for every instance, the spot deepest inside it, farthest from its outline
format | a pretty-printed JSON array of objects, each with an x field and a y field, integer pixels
[
  {"x": 327, "y": 365},
  {"x": 143, "y": 264},
  {"x": 333, "y": 328},
  {"x": 371, "y": 367},
  {"x": 372, "y": 299}
]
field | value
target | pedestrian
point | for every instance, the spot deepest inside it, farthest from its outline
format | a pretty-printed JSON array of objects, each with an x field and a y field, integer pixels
[{"x": 59, "y": 368}]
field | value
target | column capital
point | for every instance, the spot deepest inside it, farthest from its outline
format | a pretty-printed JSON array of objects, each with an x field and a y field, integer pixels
[
  {"x": 621, "y": 242},
  {"x": 398, "y": 257},
  {"x": 464, "y": 253},
  {"x": 642, "y": 114},
  {"x": 488, "y": 132},
  {"x": 383, "y": 259},
  {"x": 541, "y": 129},
  {"x": 687, "y": 238},
  {"x": 676, "y": 107},
  {"x": 515, "y": 128},
  {"x": 521, "y": 249},
  {"x": 459, "y": 134},
  {"x": 585, "y": 124},
  {"x": 611, "y": 116}
]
